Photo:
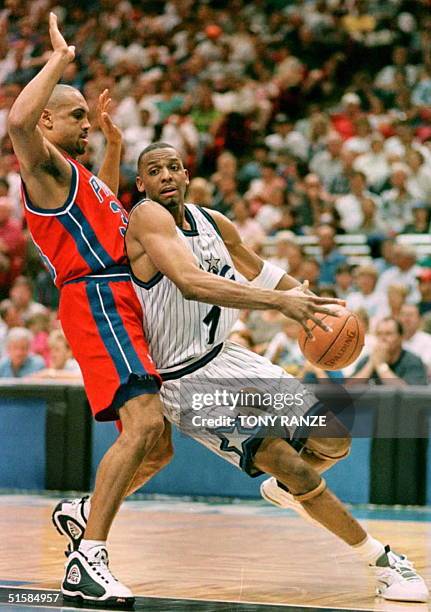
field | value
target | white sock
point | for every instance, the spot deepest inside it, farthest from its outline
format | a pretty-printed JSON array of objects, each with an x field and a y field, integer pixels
[
  {"x": 369, "y": 550},
  {"x": 86, "y": 546}
]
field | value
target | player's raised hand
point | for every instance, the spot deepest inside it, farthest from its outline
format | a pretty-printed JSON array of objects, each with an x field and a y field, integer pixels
[
  {"x": 111, "y": 132},
  {"x": 58, "y": 43}
]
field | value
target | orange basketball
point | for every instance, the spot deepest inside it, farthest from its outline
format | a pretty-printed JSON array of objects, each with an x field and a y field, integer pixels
[{"x": 336, "y": 349}]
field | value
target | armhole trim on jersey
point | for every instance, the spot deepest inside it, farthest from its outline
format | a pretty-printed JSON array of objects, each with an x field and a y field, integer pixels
[
  {"x": 62, "y": 210},
  {"x": 189, "y": 217},
  {"x": 149, "y": 284},
  {"x": 210, "y": 219}
]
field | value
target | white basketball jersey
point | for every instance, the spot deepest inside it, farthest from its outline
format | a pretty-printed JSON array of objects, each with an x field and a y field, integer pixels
[{"x": 180, "y": 330}]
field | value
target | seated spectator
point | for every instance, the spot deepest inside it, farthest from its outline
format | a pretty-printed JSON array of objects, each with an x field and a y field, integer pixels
[
  {"x": 19, "y": 362},
  {"x": 137, "y": 137},
  {"x": 226, "y": 167},
  {"x": 226, "y": 195},
  {"x": 374, "y": 164},
  {"x": 249, "y": 229},
  {"x": 419, "y": 181},
  {"x": 350, "y": 207},
  {"x": 330, "y": 257},
  {"x": 261, "y": 189},
  {"x": 397, "y": 202},
  {"x": 415, "y": 340},
  {"x": 344, "y": 122},
  {"x": 271, "y": 211},
  {"x": 313, "y": 203},
  {"x": 343, "y": 281},
  {"x": 327, "y": 163},
  {"x": 424, "y": 286},
  {"x": 403, "y": 272},
  {"x": 21, "y": 294},
  {"x": 264, "y": 324},
  {"x": 288, "y": 255},
  {"x": 385, "y": 79},
  {"x": 369, "y": 341},
  {"x": 366, "y": 297},
  {"x": 200, "y": 192},
  {"x": 420, "y": 224},
  {"x": 389, "y": 363},
  {"x": 284, "y": 350},
  {"x": 12, "y": 246},
  {"x": 387, "y": 254},
  {"x": 310, "y": 270},
  {"x": 39, "y": 325},
  {"x": 61, "y": 364},
  {"x": 286, "y": 139}
]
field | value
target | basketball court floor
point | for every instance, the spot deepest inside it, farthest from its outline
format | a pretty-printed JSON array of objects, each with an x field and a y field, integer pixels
[{"x": 209, "y": 557}]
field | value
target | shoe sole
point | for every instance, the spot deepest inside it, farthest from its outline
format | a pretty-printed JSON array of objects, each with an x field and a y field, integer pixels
[{"x": 111, "y": 602}]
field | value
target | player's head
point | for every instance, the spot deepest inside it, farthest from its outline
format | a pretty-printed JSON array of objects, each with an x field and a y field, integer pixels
[
  {"x": 64, "y": 121},
  {"x": 161, "y": 175}
]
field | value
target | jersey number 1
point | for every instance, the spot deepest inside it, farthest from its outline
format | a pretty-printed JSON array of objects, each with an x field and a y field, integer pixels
[{"x": 211, "y": 321}]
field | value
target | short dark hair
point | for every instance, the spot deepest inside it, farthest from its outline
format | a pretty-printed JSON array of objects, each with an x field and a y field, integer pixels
[
  {"x": 153, "y": 147},
  {"x": 398, "y": 324}
]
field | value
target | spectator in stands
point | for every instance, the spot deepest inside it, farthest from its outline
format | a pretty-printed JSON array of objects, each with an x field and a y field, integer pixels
[
  {"x": 39, "y": 325},
  {"x": 61, "y": 364},
  {"x": 389, "y": 363},
  {"x": 343, "y": 281},
  {"x": 284, "y": 349},
  {"x": 420, "y": 224},
  {"x": 225, "y": 195},
  {"x": 403, "y": 272},
  {"x": 261, "y": 189},
  {"x": 200, "y": 192},
  {"x": 415, "y": 340},
  {"x": 242, "y": 337},
  {"x": 386, "y": 78},
  {"x": 310, "y": 270},
  {"x": 344, "y": 122},
  {"x": 424, "y": 286},
  {"x": 330, "y": 257},
  {"x": 286, "y": 139},
  {"x": 366, "y": 297},
  {"x": 248, "y": 228},
  {"x": 350, "y": 207},
  {"x": 12, "y": 246},
  {"x": 397, "y": 202},
  {"x": 288, "y": 255},
  {"x": 21, "y": 294},
  {"x": 374, "y": 164},
  {"x": 419, "y": 181},
  {"x": 19, "y": 361},
  {"x": 313, "y": 203},
  {"x": 327, "y": 163},
  {"x": 387, "y": 258}
]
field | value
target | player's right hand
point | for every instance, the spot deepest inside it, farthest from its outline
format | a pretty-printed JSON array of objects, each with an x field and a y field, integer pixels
[
  {"x": 303, "y": 308},
  {"x": 58, "y": 43}
]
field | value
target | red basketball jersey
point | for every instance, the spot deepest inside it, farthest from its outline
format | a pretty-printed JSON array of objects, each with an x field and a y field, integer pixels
[{"x": 85, "y": 235}]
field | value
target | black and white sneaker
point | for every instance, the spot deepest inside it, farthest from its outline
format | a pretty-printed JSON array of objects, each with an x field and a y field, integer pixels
[
  {"x": 89, "y": 580},
  {"x": 70, "y": 519}
]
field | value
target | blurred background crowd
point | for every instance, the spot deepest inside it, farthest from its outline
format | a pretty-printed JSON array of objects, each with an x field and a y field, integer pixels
[{"x": 306, "y": 122}]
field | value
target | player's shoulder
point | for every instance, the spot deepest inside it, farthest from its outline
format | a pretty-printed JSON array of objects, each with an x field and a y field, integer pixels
[{"x": 150, "y": 213}]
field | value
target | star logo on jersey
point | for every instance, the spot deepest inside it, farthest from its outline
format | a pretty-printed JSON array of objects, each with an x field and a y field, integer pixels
[
  {"x": 235, "y": 438},
  {"x": 213, "y": 264}
]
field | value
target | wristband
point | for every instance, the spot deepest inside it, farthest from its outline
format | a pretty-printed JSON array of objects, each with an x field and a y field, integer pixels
[{"x": 268, "y": 277}]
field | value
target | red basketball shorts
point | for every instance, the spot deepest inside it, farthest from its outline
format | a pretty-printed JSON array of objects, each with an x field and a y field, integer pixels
[{"x": 102, "y": 321}]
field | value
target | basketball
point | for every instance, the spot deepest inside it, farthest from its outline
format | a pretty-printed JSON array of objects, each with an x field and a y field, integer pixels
[{"x": 336, "y": 349}]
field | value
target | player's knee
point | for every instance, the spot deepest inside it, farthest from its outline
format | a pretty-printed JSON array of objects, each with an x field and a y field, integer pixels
[
  {"x": 142, "y": 429},
  {"x": 333, "y": 449}
]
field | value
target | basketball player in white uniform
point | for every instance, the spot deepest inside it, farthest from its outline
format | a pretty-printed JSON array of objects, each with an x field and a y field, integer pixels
[
  {"x": 190, "y": 267},
  {"x": 187, "y": 321}
]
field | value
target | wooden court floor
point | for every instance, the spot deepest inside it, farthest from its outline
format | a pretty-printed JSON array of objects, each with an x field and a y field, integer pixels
[{"x": 234, "y": 553}]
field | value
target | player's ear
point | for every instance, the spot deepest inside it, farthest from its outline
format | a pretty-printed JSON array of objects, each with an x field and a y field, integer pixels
[
  {"x": 140, "y": 184},
  {"x": 46, "y": 119},
  {"x": 186, "y": 172}
]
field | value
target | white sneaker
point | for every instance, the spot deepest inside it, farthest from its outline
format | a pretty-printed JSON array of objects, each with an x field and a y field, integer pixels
[
  {"x": 397, "y": 579},
  {"x": 70, "y": 519},
  {"x": 89, "y": 580},
  {"x": 274, "y": 494}
]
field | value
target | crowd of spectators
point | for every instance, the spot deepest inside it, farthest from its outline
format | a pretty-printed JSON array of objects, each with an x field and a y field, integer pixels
[{"x": 295, "y": 119}]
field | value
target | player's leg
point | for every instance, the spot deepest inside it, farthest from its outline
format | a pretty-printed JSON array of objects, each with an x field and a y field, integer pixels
[{"x": 396, "y": 578}]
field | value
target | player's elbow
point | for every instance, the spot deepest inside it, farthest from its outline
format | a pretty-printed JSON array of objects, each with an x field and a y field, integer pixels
[
  {"x": 189, "y": 287},
  {"x": 15, "y": 122}
]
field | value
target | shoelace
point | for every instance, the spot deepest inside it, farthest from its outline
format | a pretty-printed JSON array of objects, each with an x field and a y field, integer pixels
[
  {"x": 101, "y": 567},
  {"x": 402, "y": 566}
]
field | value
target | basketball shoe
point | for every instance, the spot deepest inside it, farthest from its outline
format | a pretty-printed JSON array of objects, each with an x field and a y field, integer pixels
[
  {"x": 70, "y": 519},
  {"x": 274, "y": 494},
  {"x": 397, "y": 580},
  {"x": 88, "y": 579}
]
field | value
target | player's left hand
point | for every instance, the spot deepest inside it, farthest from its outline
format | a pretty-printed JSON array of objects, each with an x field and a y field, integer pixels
[{"x": 111, "y": 132}]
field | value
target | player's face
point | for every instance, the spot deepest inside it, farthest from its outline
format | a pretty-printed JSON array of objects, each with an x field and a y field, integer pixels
[
  {"x": 163, "y": 177},
  {"x": 69, "y": 125}
]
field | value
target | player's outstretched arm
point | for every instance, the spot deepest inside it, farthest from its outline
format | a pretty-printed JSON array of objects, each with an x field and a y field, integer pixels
[
  {"x": 30, "y": 147},
  {"x": 152, "y": 232},
  {"x": 109, "y": 172}
]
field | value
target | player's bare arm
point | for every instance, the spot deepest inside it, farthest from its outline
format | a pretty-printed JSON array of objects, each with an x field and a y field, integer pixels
[
  {"x": 109, "y": 172},
  {"x": 45, "y": 171},
  {"x": 153, "y": 245}
]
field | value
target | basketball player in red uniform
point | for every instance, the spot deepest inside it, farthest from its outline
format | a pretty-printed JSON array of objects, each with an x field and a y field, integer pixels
[{"x": 78, "y": 225}]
